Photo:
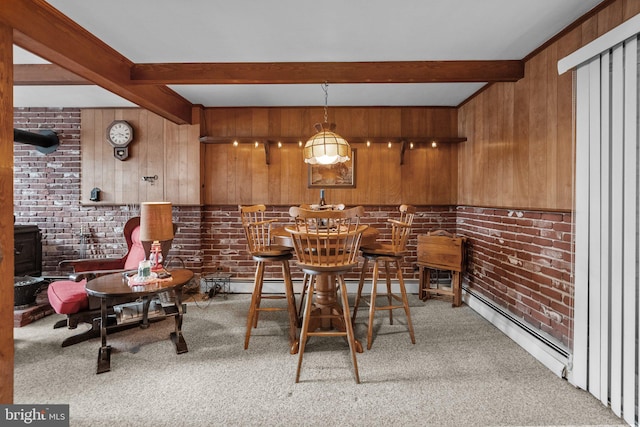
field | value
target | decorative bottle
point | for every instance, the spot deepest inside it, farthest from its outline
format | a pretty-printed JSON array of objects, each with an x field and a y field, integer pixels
[{"x": 322, "y": 201}]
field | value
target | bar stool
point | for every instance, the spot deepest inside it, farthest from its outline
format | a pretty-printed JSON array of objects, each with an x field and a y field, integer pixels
[
  {"x": 258, "y": 233},
  {"x": 307, "y": 278},
  {"x": 326, "y": 244},
  {"x": 387, "y": 254}
]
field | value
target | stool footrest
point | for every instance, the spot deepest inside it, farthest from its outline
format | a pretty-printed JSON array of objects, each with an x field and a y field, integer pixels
[
  {"x": 387, "y": 307},
  {"x": 326, "y": 334},
  {"x": 271, "y": 309}
]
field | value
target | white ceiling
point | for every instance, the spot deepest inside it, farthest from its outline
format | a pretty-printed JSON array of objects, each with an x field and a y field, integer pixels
[{"x": 307, "y": 31}]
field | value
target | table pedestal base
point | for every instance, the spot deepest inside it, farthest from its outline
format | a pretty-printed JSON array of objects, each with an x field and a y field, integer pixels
[{"x": 326, "y": 312}]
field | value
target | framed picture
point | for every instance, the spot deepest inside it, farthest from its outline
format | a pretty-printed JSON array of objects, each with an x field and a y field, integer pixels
[{"x": 338, "y": 175}]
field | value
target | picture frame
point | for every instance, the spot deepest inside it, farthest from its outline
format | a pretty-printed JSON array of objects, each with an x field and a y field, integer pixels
[{"x": 339, "y": 175}]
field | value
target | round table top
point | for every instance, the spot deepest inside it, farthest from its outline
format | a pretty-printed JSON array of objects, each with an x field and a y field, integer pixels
[
  {"x": 117, "y": 284},
  {"x": 280, "y": 236}
]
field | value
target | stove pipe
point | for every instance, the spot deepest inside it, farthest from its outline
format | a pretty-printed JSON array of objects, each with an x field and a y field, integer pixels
[{"x": 46, "y": 141}]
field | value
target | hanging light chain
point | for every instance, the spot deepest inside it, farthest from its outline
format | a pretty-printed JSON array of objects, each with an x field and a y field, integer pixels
[{"x": 325, "y": 87}]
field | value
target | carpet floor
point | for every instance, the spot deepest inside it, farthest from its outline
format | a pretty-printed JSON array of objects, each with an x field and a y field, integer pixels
[{"x": 461, "y": 372}]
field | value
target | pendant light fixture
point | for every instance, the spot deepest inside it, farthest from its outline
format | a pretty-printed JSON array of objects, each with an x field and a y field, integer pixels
[{"x": 326, "y": 147}]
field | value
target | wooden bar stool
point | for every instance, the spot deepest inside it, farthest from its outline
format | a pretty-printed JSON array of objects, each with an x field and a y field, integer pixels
[
  {"x": 326, "y": 245},
  {"x": 258, "y": 233},
  {"x": 387, "y": 254}
]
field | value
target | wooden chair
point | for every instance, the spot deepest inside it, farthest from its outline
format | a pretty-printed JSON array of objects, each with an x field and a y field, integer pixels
[
  {"x": 441, "y": 251},
  {"x": 70, "y": 298},
  {"x": 388, "y": 254},
  {"x": 306, "y": 278},
  {"x": 326, "y": 244},
  {"x": 258, "y": 233}
]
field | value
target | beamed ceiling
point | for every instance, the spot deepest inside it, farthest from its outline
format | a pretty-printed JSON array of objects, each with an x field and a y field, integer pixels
[{"x": 167, "y": 55}]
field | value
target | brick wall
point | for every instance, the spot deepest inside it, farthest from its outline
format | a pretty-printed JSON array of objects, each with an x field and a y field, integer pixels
[
  {"x": 522, "y": 260},
  {"x": 225, "y": 246},
  {"x": 47, "y": 194}
]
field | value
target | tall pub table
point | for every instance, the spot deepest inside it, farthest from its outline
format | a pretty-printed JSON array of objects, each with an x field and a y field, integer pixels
[
  {"x": 116, "y": 285},
  {"x": 326, "y": 290}
]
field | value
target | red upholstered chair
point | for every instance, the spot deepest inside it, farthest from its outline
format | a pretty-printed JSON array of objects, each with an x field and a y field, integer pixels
[{"x": 70, "y": 297}]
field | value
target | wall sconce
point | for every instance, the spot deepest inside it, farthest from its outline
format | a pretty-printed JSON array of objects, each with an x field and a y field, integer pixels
[{"x": 434, "y": 144}]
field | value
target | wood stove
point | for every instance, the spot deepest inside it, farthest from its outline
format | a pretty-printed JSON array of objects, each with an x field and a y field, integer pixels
[{"x": 27, "y": 250}]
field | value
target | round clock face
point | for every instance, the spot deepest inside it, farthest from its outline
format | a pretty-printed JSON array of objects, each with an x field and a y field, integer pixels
[{"x": 120, "y": 133}]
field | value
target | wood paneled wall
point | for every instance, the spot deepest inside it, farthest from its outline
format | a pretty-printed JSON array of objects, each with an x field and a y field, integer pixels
[
  {"x": 240, "y": 175},
  {"x": 520, "y": 143},
  {"x": 159, "y": 148}
]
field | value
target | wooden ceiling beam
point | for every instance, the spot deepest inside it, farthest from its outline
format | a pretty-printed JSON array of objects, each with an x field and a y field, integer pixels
[
  {"x": 332, "y": 72},
  {"x": 41, "y": 29},
  {"x": 45, "y": 74}
]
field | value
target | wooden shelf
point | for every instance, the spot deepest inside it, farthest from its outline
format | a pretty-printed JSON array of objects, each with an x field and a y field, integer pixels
[{"x": 267, "y": 141}]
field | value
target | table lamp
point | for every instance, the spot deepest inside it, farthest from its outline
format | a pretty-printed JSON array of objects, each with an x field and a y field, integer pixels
[{"x": 156, "y": 225}]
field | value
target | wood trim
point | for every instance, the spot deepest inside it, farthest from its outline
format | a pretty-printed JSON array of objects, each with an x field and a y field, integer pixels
[
  {"x": 6, "y": 214},
  {"x": 43, "y": 30},
  {"x": 334, "y": 72}
]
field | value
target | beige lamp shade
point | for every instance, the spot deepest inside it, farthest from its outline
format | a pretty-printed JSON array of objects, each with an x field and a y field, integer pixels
[
  {"x": 326, "y": 147},
  {"x": 156, "y": 221}
]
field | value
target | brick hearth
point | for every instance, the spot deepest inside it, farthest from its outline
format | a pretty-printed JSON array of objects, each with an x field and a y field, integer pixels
[{"x": 32, "y": 313}]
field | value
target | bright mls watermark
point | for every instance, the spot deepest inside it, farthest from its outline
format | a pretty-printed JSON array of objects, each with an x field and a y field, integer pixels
[{"x": 34, "y": 415}]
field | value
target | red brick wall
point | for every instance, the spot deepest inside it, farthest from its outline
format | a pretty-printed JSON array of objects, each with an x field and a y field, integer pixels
[
  {"x": 522, "y": 260},
  {"x": 225, "y": 246}
]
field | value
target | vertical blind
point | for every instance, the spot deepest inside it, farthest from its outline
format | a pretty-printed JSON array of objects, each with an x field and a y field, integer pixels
[{"x": 607, "y": 211}]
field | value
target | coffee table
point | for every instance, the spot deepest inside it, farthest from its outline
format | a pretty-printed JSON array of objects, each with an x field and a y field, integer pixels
[{"x": 111, "y": 287}]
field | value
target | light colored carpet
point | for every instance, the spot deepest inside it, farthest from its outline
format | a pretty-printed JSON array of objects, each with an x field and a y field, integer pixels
[{"x": 461, "y": 372}]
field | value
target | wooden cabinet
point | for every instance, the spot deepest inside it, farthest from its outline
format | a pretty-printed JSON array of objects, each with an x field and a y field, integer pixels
[{"x": 163, "y": 162}]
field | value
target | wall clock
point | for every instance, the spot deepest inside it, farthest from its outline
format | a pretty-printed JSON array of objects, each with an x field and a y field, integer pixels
[{"x": 120, "y": 135}]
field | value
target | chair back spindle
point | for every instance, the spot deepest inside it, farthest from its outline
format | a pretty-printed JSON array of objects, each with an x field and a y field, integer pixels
[{"x": 401, "y": 228}]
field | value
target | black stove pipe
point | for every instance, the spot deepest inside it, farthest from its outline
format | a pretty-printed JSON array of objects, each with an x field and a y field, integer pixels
[{"x": 46, "y": 141}]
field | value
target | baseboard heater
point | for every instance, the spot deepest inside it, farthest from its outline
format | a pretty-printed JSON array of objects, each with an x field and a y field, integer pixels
[{"x": 545, "y": 350}]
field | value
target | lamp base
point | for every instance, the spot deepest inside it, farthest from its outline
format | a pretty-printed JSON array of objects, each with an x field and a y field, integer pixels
[{"x": 155, "y": 256}]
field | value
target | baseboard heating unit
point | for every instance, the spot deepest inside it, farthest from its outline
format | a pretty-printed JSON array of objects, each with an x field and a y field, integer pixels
[{"x": 545, "y": 350}]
